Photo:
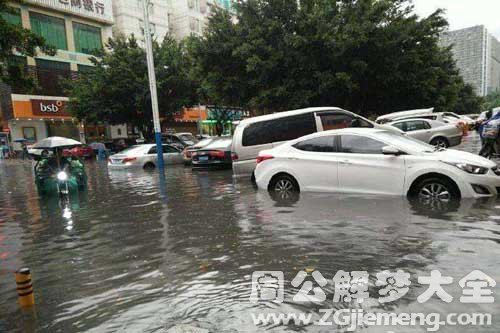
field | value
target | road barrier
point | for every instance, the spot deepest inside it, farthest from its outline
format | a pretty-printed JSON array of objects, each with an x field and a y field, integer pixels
[{"x": 24, "y": 288}]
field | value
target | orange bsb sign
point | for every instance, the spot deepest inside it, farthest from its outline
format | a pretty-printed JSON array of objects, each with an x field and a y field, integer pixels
[{"x": 49, "y": 108}]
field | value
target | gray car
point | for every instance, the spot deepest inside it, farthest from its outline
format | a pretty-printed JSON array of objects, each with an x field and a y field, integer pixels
[{"x": 430, "y": 131}]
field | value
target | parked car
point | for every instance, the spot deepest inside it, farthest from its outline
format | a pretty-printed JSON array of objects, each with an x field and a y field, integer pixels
[
  {"x": 217, "y": 154},
  {"x": 361, "y": 160},
  {"x": 181, "y": 140},
  {"x": 386, "y": 118},
  {"x": 82, "y": 151},
  {"x": 445, "y": 117},
  {"x": 432, "y": 132},
  {"x": 144, "y": 156},
  {"x": 264, "y": 132},
  {"x": 188, "y": 151}
]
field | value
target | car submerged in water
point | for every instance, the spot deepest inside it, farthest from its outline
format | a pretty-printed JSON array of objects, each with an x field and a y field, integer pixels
[
  {"x": 375, "y": 161},
  {"x": 144, "y": 156},
  {"x": 216, "y": 154}
]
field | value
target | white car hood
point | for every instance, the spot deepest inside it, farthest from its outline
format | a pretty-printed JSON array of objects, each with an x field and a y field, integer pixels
[{"x": 457, "y": 156}]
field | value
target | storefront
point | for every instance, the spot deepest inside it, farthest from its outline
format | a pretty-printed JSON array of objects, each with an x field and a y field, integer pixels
[
  {"x": 207, "y": 120},
  {"x": 187, "y": 120},
  {"x": 37, "y": 117}
]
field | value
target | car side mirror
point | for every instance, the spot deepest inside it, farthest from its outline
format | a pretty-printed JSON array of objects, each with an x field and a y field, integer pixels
[{"x": 391, "y": 150}]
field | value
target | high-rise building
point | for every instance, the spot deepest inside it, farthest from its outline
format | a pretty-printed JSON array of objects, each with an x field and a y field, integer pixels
[
  {"x": 477, "y": 54},
  {"x": 76, "y": 28},
  {"x": 180, "y": 18},
  {"x": 128, "y": 17}
]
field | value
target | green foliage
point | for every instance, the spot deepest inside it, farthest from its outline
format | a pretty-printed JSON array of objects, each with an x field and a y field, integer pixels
[
  {"x": 369, "y": 56},
  {"x": 14, "y": 39},
  {"x": 492, "y": 101},
  {"x": 116, "y": 91}
]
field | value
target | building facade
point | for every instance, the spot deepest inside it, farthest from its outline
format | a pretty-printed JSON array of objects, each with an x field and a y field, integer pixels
[
  {"x": 477, "y": 54},
  {"x": 76, "y": 28},
  {"x": 180, "y": 18},
  {"x": 128, "y": 18}
]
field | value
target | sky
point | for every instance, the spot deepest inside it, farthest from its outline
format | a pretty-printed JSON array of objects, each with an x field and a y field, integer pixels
[{"x": 465, "y": 13}]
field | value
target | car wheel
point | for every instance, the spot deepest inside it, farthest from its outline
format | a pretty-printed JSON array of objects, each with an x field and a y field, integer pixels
[
  {"x": 148, "y": 166},
  {"x": 436, "y": 189},
  {"x": 440, "y": 142},
  {"x": 283, "y": 184}
]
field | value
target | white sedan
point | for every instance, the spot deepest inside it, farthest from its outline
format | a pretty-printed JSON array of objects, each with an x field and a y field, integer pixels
[
  {"x": 431, "y": 131},
  {"x": 144, "y": 156},
  {"x": 363, "y": 160}
]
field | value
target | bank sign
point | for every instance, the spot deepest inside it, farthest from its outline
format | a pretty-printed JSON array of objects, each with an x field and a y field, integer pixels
[
  {"x": 49, "y": 108},
  {"x": 97, "y": 9}
]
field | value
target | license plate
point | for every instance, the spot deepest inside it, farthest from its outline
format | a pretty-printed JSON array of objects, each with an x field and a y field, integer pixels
[
  {"x": 203, "y": 158},
  {"x": 116, "y": 161}
]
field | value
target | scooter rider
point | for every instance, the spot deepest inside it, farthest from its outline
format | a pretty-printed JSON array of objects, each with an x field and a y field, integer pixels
[{"x": 489, "y": 131}]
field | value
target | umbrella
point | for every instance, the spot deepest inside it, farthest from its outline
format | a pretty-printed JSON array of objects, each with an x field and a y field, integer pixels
[
  {"x": 56, "y": 142},
  {"x": 20, "y": 140}
]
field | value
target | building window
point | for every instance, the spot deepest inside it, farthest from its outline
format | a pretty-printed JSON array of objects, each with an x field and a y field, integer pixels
[
  {"x": 194, "y": 5},
  {"x": 51, "y": 76},
  {"x": 87, "y": 38},
  {"x": 50, "y": 28},
  {"x": 84, "y": 69},
  {"x": 119, "y": 131},
  {"x": 14, "y": 17},
  {"x": 29, "y": 133}
]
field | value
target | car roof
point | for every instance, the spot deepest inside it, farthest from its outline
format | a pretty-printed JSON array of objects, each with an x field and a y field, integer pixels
[
  {"x": 290, "y": 113},
  {"x": 400, "y": 114},
  {"x": 412, "y": 119}
]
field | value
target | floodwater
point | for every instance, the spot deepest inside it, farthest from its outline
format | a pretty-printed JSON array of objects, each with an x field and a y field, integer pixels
[{"x": 138, "y": 255}]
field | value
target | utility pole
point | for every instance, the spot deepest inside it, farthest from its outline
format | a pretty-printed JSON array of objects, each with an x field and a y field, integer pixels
[{"x": 152, "y": 86}]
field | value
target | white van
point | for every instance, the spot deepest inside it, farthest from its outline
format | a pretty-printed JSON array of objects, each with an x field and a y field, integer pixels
[{"x": 264, "y": 132}]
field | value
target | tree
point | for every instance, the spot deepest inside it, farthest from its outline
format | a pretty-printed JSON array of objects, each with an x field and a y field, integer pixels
[
  {"x": 15, "y": 39},
  {"x": 492, "y": 100},
  {"x": 369, "y": 56},
  {"x": 116, "y": 90}
]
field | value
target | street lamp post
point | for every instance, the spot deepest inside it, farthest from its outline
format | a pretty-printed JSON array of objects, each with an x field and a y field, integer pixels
[{"x": 152, "y": 85}]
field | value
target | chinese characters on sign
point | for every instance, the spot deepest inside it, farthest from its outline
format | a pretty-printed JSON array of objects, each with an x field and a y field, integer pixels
[
  {"x": 350, "y": 286},
  {"x": 88, "y": 5}
]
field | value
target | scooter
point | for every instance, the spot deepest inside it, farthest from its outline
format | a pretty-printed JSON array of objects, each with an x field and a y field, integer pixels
[{"x": 62, "y": 183}]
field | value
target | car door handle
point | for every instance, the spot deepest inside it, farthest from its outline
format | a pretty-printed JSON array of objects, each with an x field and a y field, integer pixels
[
  {"x": 292, "y": 158},
  {"x": 345, "y": 162}
]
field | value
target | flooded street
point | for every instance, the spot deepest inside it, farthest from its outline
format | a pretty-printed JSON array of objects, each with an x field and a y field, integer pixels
[{"x": 133, "y": 254}]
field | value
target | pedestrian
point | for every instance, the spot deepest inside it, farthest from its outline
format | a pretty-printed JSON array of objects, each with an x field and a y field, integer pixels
[
  {"x": 489, "y": 135},
  {"x": 4, "y": 149},
  {"x": 25, "y": 151}
]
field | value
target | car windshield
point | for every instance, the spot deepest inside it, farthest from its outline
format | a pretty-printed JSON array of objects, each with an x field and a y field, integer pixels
[
  {"x": 220, "y": 144},
  {"x": 406, "y": 143},
  {"x": 203, "y": 143},
  {"x": 188, "y": 138}
]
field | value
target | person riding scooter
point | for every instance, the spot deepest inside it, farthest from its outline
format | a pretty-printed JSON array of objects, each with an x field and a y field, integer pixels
[{"x": 488, "y": 132}]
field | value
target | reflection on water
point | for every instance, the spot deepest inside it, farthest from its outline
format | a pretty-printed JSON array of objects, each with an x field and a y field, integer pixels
[{"x": 122, "y": 256}]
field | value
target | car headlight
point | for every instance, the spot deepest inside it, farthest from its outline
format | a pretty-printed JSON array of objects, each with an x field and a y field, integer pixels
[
  {"x": 469, "y": 168},
  {"x": 62, "y": 176}
]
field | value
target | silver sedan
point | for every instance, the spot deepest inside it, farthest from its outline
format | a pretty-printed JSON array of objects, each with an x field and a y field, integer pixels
[
  {"x": 430, "y": 131},
  {"x": 144, "y": 156}
]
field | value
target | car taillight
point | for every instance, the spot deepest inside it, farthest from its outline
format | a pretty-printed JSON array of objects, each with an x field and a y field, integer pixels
[
  {"x": 234, "y": 156},
  {"x": 128, "y": 159},
  {"x": 262, "y": 158},
  {"x": 217, "y": 153}
]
